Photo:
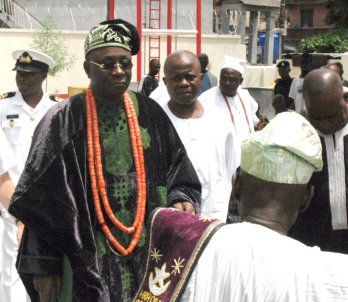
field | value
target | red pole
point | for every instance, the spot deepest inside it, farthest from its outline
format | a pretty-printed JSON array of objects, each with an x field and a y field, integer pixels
[
  {"x": 199, "y": 26},
  {"x": 139, "y": 26},
  {"x": 169, "y": 26},
  {"x": 112, "y": 9}
]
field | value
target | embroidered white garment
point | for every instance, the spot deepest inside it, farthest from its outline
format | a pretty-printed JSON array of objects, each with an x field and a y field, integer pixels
[
  {"x": 337, "y": 177},
  {"x": 214, "y": 98},
  {"x": 251, "y": 263},
  {"x": 214, "y": 151}
]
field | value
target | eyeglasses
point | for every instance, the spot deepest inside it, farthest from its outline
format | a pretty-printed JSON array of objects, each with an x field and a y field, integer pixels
[{"x": 111, "y": 66}]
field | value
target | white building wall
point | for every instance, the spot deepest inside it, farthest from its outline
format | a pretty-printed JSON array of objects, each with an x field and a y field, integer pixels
[{"x": 214, "y": 45}]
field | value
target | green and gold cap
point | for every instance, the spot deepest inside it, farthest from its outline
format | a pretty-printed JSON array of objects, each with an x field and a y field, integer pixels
[
  {"x": 113, "y": 33},
  {"x": 287, "y": 150}
]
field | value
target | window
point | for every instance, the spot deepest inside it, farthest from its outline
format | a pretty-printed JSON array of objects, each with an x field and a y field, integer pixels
[{"x": 306, "y": 18}]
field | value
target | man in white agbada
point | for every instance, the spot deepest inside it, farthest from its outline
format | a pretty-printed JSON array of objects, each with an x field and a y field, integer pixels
[
  {"x": 237, "y": 105},
  {"x": 213, "y": 148},
  {"x": 255, "y": 260}
]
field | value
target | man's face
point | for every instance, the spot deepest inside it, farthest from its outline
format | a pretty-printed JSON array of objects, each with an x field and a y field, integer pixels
[
  {"x": 306, "y": 66},
  {"x": 30, "y": 83},
  {"x": 155, "y": 67},
  {"x": 110, "y": 82},
  {"x": 327, "y": 117},
  {"x": 230, "y": 79},
  {"x": 183, "y": 80},
  {"x": 284, "y": 71}
]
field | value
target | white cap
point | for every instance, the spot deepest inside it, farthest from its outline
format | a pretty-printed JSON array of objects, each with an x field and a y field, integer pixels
[
  {"x": 234, "y": 63},
  {"x": 32, "y": 60}
]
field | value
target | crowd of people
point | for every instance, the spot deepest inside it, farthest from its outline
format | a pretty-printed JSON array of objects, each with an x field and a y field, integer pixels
[{"x": 115, "y": 195}]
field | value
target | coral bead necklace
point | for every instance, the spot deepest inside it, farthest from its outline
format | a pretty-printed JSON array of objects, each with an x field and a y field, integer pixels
[{"x": 97, "y": 177}]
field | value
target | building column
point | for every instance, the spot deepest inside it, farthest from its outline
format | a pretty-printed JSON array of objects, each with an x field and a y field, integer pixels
[
  {"x": 269, "y": 39},
  {"x": 253, "y": 36},
  {"x": 224, "y": 17},
  {"x": 241, "y": 24}
]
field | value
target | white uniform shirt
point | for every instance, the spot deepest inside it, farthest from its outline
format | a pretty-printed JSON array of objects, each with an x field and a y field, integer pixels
[
  {"x": 7, "y": 157},
  {"x": 18, "y": 121},
  {"x": 242, "y": 119},
  {"x": 296, "y": 94},
  {"x": 214, "y": 151},
  {"x": 249, "y": 262}
]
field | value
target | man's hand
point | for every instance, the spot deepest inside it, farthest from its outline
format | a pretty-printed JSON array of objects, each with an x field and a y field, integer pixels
[
  {"x": 185, "y": 206},
  {"x": 44, "y": 285},
  {"x": 20, "y": 230}
]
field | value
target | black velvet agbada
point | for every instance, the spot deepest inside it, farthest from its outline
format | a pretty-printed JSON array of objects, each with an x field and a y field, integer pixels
[{"x": 53, "y": 197}]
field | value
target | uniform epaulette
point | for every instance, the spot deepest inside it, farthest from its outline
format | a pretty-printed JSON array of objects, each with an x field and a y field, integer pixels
[
  {"x": 7, "y": 95},
  {"x": 55, "y": 98}
]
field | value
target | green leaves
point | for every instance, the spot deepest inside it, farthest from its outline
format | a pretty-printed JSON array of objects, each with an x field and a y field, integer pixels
[
  {"x": 337, "y": 13},
  {"x": 335, "y": 41},
  {"x": 51, "y": 42}
]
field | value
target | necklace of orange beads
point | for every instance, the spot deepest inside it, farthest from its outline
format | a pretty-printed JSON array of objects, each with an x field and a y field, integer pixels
[{"x": 97, "y": 177}]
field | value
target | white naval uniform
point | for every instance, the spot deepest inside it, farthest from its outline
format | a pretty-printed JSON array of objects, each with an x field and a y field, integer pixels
[
  {"x": 18, "y": 121},
  {"x": 243, "y": 120},
  {"x": 214, "y": 151},
  {"x": 7, "y": 161}
]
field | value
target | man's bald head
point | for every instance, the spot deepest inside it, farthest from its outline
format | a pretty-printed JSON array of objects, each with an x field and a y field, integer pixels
[
  {"x": 335, "y": 67},
  {"x": 183, "y": 76},
  {"x": 184, "y": 56},
  {"x": 323, "y": 94}
]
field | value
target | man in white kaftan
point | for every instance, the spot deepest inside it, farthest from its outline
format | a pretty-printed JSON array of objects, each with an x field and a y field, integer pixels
[
  {"x": 250, "y": 262},
  {"x": 235, "y": 105},
  {"x": 213, "y": 149},
  {"x": 255, "y": 260}
]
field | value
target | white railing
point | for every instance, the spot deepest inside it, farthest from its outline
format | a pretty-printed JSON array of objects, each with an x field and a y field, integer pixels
[{"x": 18, "y": 15}]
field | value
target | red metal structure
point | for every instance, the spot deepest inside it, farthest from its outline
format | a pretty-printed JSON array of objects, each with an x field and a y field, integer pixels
[
  {"x": 155, "y": 23},
  {"x": 111, "y": 9},
  {"x": 155, "y": 15},
  {"x": 169, "y": 26},
  {"x": 140, "y": 27},
  {"x": 199, "y": 27}
]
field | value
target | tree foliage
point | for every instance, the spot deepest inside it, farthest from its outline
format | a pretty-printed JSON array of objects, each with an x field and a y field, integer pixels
[
  {"x": 335, "y": 41},
  {"x": 337, "y": 13},
  {"x": 51, "y": 42}
]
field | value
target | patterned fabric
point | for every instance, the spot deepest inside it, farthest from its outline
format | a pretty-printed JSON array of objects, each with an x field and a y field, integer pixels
[
  {"x": 287, "y": 150},
  {"x": 114, "y": 33},
  {"x": 177, "y": 239}
]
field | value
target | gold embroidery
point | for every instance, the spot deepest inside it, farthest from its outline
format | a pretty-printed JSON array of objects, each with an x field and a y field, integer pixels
[{"x": 25, "y": 58}]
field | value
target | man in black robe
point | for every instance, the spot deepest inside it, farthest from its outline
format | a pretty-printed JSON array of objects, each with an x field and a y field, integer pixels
[
  {"x": 64, "y": 248},
  {"x": 325, "y": 222}
]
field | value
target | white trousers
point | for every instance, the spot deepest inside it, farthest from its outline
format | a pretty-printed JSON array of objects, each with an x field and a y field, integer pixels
[{"x": 11, "y": 286}]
